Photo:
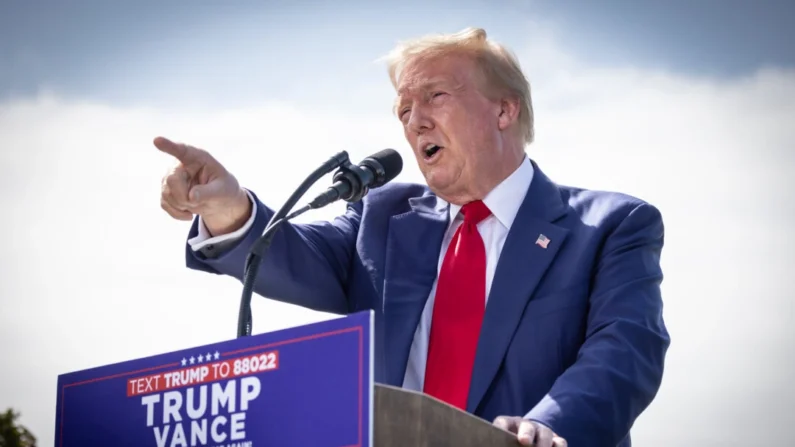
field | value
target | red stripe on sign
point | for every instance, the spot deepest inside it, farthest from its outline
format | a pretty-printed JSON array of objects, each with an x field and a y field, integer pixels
[{"x": 204, "y": 373}]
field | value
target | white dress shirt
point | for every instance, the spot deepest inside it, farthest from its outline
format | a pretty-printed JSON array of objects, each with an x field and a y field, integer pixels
[{"x": 503, "y": 201}]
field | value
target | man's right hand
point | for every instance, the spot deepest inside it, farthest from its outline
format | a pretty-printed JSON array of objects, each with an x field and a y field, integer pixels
[{"x": 199, "y": 184}]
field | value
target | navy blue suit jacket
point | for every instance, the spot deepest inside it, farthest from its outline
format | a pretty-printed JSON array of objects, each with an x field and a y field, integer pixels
[{"x": 573, "y": 334}]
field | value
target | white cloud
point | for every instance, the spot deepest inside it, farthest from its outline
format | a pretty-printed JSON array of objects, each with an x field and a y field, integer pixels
[
  {"x": 94, "y": 270},
  {"x": 716, "y": 157}
]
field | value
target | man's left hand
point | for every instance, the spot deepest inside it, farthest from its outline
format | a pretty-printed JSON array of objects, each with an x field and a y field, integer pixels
[{"x": 530, "y": 432}]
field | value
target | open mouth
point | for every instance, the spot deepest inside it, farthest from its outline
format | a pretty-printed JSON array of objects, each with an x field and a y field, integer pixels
[{"x": 431, "y": 150}]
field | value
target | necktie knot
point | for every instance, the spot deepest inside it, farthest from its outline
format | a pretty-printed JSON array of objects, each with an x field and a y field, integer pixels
[{"x": 475, "y": 212}]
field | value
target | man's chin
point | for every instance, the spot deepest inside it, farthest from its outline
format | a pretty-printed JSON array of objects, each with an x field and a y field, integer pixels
[
  {"x": 435, "y": 179},
  {"x": 440, "y": 184}
]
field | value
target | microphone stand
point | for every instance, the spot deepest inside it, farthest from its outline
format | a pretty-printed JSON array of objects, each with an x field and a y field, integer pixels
[{"x": 244, "y": 319}]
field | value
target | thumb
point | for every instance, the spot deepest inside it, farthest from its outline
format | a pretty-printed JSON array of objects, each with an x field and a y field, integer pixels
[{"x": 200, "y": 194}]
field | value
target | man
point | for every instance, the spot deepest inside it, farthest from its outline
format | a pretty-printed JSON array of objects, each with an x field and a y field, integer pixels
[{"x": 545, "y": 318}]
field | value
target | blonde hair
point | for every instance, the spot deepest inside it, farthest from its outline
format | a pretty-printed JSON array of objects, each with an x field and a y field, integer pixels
[{"x": 498, "y": 65}]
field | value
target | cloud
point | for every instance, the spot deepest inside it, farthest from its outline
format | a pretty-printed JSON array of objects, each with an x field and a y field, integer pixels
[
  {"x": 94, "y": 270},
  {"x": 716, "y": 156}
]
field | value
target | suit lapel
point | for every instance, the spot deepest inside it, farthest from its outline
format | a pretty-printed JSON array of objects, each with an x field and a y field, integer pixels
[
  {"x": 412, "y": 255},
  {"x": 521, "y": 267}
]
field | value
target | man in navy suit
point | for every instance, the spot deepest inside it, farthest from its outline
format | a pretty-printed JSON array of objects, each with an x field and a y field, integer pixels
[{"x": 530, "y": 304}]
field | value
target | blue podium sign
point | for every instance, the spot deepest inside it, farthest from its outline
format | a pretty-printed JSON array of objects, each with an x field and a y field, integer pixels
[{"x": 305, "y": 386}]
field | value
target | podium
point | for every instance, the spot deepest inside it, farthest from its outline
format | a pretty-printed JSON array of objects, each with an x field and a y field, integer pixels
[
  {"x": 405, "y": 418},
  {"x": 311, "y": 385}
]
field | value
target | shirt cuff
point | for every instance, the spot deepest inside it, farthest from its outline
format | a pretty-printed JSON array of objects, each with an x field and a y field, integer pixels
[
  {"x": 546, "y": 412},
  {"x": 204, "y": 240}
]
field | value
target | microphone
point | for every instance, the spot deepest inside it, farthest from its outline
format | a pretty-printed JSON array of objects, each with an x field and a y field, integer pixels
[{"x": 353, "y": 182}]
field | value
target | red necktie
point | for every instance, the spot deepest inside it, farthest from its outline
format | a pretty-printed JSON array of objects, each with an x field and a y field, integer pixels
[{"x": 458, "y": 311}]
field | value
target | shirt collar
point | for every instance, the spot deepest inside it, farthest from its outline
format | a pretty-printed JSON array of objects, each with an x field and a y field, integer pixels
[{"x": 506, "y": 198}]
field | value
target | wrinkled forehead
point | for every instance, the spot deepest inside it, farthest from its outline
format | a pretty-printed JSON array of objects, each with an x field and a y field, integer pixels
[
  {"x": 421, "y": 75},
  {"x": 419, "y": 86}
]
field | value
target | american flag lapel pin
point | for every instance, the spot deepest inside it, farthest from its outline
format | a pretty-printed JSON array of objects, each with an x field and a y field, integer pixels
[{"x": 542, "y": 241}]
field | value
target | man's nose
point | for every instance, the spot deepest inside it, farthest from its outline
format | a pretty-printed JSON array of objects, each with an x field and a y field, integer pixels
[{"x": 419, "y": 120}]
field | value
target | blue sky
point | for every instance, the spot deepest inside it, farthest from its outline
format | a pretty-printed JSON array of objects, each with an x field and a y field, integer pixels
[
  {"x": 227, "y": 53},
  {"x": 685, "y": 104},
  {"x": 709, "y": 37}
]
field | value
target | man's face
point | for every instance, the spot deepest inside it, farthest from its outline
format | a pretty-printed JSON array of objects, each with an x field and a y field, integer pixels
[{"x": 456, "y": 132}]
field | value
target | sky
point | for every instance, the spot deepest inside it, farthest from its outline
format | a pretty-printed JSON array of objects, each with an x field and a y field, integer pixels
[{"x": 688, "y": 106}]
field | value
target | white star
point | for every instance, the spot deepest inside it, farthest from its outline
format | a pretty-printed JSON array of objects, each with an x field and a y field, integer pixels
[
  {"x": 200, "y": 358},
  {"x": 184, "y": 362},
  {"x": 216, "y": 355},
  {"x": 191, "y": 360},
  {"x": 208, "y": 357}
]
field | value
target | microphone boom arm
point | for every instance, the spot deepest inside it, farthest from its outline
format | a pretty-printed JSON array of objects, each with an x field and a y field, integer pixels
[
  {"x": 351, "y": 183},
  {"x": 244, "y": 321}
]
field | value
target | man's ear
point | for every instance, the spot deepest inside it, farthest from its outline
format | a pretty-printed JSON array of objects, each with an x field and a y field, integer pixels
[{"x": 509, "y": 112}]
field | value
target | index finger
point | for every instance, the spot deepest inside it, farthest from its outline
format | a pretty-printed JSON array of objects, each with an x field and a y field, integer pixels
[
  {"x": 182, "y": 152},
  {"x": 527, "y": 432}
]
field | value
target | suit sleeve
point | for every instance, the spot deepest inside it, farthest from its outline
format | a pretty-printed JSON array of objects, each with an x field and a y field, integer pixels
[
  {"x": 619, "y": 367},
  {"x": 306, "y": 264}
]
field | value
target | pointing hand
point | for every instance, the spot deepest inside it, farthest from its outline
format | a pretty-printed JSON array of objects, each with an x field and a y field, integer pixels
[{"x": 200, "y": 185}]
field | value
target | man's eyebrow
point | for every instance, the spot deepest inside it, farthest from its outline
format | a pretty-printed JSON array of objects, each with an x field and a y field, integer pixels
[
  {"x": 424, "y": 87},
  {"x": 429, "y": 85},
  {"x": 400, "y": 100}
]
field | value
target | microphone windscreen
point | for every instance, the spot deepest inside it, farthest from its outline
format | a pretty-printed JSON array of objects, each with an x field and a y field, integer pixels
[{"x": 391, "y": 163}]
